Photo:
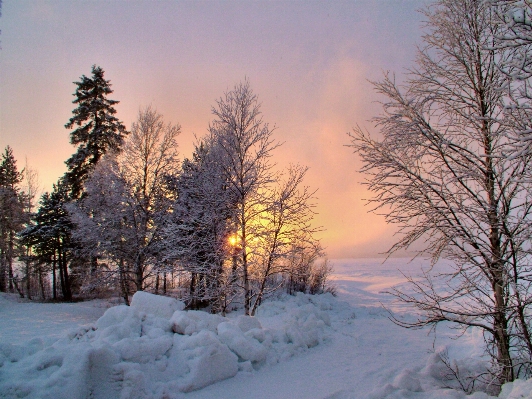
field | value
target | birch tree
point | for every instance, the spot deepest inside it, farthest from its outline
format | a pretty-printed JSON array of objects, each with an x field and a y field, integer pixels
[
  {"x": 442, "y": 173},
  {"x": 30, "y": 187},
  {"x": 247, "y": 144},
  {"x": 513, "y": 19},
  {"x": 285, "y": 232},
  {"x": 126, "y": 198},
  {"x": 150, "y": 155}
]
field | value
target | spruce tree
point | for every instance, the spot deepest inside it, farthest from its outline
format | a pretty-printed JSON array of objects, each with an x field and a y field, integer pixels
[
  {"x": 97, "y": 130},
  {"x": 12, "y": 216},
  {"x": 50, "y": 235}
]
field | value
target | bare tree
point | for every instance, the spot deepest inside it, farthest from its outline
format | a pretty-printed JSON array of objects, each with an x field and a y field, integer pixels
[
  {"x": 119, "y": 217},
  {"x": 442, "y": 173},
  {"x": 247, "y": 144},
  {"x": 513, "y": 19},
  {"x": 149, "y": 156},
  {"x": 30, "y": 188},
  {"x": 286, "y": 231}
]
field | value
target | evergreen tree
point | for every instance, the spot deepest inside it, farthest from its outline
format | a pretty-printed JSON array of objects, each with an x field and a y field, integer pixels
[
  {"x": 12, "y": 216},
  {"x": 97, "y": 129},
  {"x": 50, "y": 236}
]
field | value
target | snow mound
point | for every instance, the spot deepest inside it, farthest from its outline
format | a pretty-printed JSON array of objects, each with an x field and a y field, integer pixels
[
  {"x": 155, "y": 349},
  {"x": 188, "y": 323},
  {"x": 517, "y": 389},
  {"x": 157, "y": 305},
  {"x": 434, "y": 381}
]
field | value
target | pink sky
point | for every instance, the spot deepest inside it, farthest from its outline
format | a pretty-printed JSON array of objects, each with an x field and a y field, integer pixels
[{"x": 308, "y": 61}]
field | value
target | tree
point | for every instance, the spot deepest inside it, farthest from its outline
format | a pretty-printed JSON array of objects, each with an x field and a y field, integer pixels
[
  {"x": 513, "y": 20},
  {"x": 50, "y": 236},
  {"x": 196, "y": 233},
  {"x": 104, "y": 229},
  {"x": 443, "y": 174},
  {"x": 246, "y": 143},
  {"x": 97, "y": 129},
  {"x": 30, "y": 188},
  {"x": 150, "y": 155},
  {"x": 286, "y": 233},
  {"x": 127, "y": 212},
  {"x": 12, "y": 217}
]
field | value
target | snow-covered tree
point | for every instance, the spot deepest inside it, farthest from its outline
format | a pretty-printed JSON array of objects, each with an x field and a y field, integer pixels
[
  {"x": 96, "y": 129},
  {"x": 50, "y": 237},
  {"x": 126, "y": 199},
  {"x": 150, "y": 155},
  {"x": 247, "y": 144},
  {"x": 196, "y": 233},
  {"x": 513, "y": 23},
  {"x": 30, "y": 187},
  {"x": 442, "y": 173},
  {"x": 104, "y": 227},
  {"x": 286, "y": 233},
  {"x": 13, "y": 215}
]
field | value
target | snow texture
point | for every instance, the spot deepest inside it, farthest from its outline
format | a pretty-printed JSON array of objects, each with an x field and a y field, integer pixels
[
  {"x": 296, "y": 347},
  {"x": 154, "y": 349},
  {"x": 156, "y": 305}
]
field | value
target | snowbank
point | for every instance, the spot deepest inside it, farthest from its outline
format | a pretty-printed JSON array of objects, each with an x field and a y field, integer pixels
[
  {"x": 436, "y": 381},
  {"x": 154, "y": 349}
]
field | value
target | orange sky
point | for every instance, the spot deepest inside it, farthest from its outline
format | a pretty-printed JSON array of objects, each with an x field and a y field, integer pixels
[{"x": 308, "y": 61}]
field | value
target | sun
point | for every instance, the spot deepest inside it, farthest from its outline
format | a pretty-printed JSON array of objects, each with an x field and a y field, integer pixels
[{"x": 233, "y": 240}]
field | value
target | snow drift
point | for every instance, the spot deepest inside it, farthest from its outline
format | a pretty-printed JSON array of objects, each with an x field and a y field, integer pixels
[{"x": 155, "y": 349}]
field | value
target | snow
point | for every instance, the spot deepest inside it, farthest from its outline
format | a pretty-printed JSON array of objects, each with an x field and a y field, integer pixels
[
  {"x": 156, "y": 305},
  {"x": 297, "y": 346}
]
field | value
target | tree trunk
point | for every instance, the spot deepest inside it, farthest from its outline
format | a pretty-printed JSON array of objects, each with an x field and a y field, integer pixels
[
  {"x": 3, "y": 271},
  {"x": 247, "y": 291},
  {"x": 139, "y": 275},
  {"x": 63, "y": 273},
  {"x": 41, "y": 284},
  {"x": 502, "y": 339},
  {"x": 68, "y": 287},
  {"x": 28, "y": 279},
  {"x": 10, "y": 254},
  {"x": 54, "y": 279},
  {"x": 123, "y": 281},
  {"x": 192, "y": 291}
]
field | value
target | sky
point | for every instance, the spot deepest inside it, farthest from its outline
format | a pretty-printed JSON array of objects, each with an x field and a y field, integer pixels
[{"x": 309, "y": 62}]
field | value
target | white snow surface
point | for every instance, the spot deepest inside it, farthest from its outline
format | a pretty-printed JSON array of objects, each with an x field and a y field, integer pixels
[{"x": 295, "y": 347}]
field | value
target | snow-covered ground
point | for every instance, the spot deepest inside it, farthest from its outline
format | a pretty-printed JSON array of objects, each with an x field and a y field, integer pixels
[{"x": 296, "y": 347}]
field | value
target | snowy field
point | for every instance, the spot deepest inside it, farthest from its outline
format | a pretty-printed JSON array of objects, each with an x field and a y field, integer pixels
[{"x": 296, "y": 347}]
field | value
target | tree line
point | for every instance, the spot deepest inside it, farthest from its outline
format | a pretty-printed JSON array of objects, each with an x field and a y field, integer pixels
[
  {"x": 220, "y": 229},
  {"x": 453, "y": 169}
]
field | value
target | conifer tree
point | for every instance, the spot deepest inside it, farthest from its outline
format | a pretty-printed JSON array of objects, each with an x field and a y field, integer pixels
[
  {"x": 97, "y": 130},
  {"x": 12, "y": 216},
  {"x": 51, "y": 238}
]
